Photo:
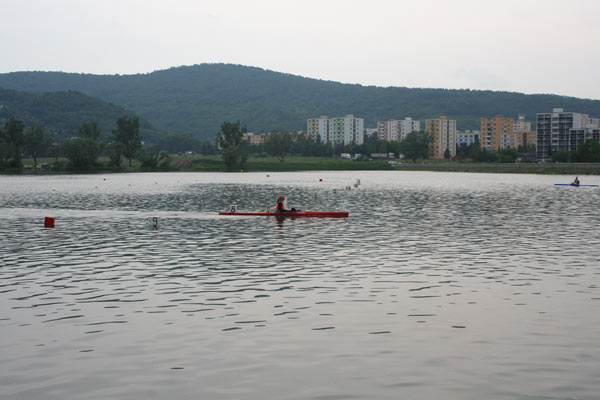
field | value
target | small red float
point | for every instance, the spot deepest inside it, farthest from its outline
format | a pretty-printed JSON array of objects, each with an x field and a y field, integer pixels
[{"x": 49, "y": 222}]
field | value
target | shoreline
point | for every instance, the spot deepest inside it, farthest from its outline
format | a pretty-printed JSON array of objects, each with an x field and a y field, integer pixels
[{"x": 296, "y": 163}]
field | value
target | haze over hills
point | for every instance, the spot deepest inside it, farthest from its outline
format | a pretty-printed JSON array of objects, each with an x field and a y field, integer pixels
[{"x": 197, "y": 99}]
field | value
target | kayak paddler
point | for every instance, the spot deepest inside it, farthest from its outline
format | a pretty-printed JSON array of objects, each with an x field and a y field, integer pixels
[
  {"x": 575, "y": 181},
  {"x": 280, "y": 205}
]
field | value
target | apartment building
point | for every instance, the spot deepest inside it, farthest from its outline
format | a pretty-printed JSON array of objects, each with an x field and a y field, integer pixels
[
  {"x": 443, "y": 134},
  {"x": 525, "y": 139},
  {"x": 467, "y": 137},
  {"x": 521, "y": 125},
  {"x": 562, "y": 131},
  {"x": 346, "y": 130},
  {"x": 397, "y": 130},
  {"x": 339, "y": 130},
  {"x": 370, "y": 131},
  {"x": 408, "y": 125},
  {"x": 388, "y": 130},
  {"x": 318, "y": 127},
  {"x": 497, "y": 132},
  {"x": 523, "y": 134},
  {"x": 255, "y": 138}
]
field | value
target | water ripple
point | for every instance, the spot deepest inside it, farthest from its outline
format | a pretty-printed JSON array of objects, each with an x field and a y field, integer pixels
[{"x": 470, "y": 278}]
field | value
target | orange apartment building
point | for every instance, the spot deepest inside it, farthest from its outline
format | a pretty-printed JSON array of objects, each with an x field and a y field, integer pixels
[
  {"x": 443, "y": 134},
  {"x": 501, "y": 132},
  {"x": 497, "y": 132}
]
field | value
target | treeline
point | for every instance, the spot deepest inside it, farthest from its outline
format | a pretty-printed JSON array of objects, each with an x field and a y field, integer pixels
[
  {"x": 589, "y": 152},
  {"x": 235, "y": 151},
  {"x": 84, "y": 150}
]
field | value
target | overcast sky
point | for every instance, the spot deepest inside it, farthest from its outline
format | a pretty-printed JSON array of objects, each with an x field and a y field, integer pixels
[{"x": 527, "y": 46}]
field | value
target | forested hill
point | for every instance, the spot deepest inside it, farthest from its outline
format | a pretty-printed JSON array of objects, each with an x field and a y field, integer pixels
[
  {"x": 197, "y": 99},
  {"x": 64, "y": 111}
]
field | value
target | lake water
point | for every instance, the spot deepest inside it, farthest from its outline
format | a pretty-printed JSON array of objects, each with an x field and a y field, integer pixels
[{"x": 438, "y": 285}]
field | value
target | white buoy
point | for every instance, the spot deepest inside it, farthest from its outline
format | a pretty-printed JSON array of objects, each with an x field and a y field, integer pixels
[{"x": 153, "y": 223}]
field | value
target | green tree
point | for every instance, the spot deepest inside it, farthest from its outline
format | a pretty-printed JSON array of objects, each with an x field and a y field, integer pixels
[
  {"x": 4, "y": 149},
  {"x": 82, "y": 153},
  {"x": 90, "y": 130},
  {"x": 560, "y": 156},
  {"x": 15, "y": 139},
  {"x": 279, "y": 144},
  {"x": 114, "y": 151},
  {"x": 508, "y": 155},
  {"x": 484, "y": 155},
  {"x": 231, "y": 145},
  {"x": 415, "y": 145},
  {"x": 588, "y": 152},
  {"x": 36, "y": 142},
  {"x": 394, "y": 147},
  {"x": 150, "y": 156},
  {"x": 128, "y": 134}
]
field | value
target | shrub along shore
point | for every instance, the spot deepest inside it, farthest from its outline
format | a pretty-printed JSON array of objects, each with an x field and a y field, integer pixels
[{"x": 272, "y": 164}]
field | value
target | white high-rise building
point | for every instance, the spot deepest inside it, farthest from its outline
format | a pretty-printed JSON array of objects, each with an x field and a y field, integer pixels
[
  {"x": 467, "y": 137},
  {"x": 408, "y": 125},
  {"x": 336, "y": 131},
  {"x": 397, "y": 130},
  {"x": 553, "y": 131},
  {"x": 346, "y": 130}
]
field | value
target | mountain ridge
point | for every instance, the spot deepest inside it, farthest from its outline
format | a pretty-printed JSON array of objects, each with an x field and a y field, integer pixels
[{"x": 197, "y": 99}]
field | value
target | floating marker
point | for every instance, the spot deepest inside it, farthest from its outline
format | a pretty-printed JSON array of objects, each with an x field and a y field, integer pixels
[
  {"x": 153, "y": 223},
  {"x": 268, "y": 175},
  {"x": 49, "y": 222},
  {"x": 320, "y": 179}
]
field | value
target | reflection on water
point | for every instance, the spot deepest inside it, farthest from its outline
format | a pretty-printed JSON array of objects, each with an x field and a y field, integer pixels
[{"x": 463, "y": 286}]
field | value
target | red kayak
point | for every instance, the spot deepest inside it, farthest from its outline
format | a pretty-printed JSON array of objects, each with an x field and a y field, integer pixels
[{"x": 299, "y": 213}]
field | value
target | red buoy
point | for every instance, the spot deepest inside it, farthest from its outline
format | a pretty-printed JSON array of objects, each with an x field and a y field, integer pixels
[
  {"x": 49, "y": 222},
  {"x": 320, "y": 179}
]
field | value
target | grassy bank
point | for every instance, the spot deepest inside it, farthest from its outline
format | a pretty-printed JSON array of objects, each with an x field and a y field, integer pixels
[
  {"x": 505, "y": 168},
  {"x": 271, "y": 164},
  {"x": 214, "y": 163}
]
